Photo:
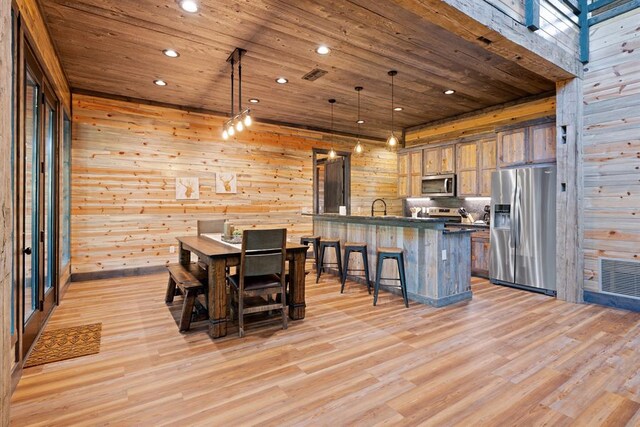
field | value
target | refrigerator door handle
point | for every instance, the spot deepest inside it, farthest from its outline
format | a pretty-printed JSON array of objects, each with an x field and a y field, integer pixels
[
  {"x": 513, "y": 221},
  {"x": 518, "y": 209}
]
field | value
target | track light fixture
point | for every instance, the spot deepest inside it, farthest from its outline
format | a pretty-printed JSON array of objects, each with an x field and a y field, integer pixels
[{"x": 237, "y": 122}]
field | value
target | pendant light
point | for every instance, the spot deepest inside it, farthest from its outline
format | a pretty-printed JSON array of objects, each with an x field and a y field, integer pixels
[
  {"x": 237, "y": 122},
  {"x": 392, "y": 141},
  {"x": 332, "y": 151},
  {"x": 358, "y": 150}
]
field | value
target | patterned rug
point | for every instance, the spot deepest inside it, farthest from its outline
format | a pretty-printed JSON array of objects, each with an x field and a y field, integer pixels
[{"x": 66, "y": 343}]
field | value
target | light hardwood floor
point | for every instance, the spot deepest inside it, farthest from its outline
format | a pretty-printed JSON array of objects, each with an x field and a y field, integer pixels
[{"x": 508, "y": 357}]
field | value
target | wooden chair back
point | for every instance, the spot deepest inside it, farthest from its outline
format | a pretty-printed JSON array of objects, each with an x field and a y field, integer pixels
[
  {"x": 263, "y": 252},
  {"x": 210, "y": 226}
]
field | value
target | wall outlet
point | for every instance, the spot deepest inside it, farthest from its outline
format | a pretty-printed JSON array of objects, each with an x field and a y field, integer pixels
[
  {"x": 444, "y": 254},
  {"x": 172, "y": 249}
]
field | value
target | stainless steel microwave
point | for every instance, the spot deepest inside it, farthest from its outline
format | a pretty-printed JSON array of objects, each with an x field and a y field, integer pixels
[{"x": 439, "y": 186}]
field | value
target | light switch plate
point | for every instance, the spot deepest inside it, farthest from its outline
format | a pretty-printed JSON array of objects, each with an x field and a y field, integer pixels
[{"x": 444, "y": 254}]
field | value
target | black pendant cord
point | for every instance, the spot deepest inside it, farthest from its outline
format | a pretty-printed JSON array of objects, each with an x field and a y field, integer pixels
[
  {"x": 358, "y": 122},
  {"x": 232, "y": 81},
  {"x": 240, "y": 84},
  {"x": 392, "y": 108}
]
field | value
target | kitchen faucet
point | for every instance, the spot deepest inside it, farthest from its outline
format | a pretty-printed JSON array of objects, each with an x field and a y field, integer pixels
[{"x": 373, "y": 206}]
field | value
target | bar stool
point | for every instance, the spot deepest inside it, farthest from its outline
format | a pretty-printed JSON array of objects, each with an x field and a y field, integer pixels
[
  {"x": 391, "y": 253},
  {"x": 361, "y": 248},
  {"x": 315, "y": 242},
  {"x": 329, "y": 243}
]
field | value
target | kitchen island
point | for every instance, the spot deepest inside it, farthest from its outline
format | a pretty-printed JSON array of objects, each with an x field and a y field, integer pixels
[{"x": 437, "y": 261}]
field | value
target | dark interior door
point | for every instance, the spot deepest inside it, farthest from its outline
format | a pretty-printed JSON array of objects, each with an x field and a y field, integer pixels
[{"x": 334, "y": 185}]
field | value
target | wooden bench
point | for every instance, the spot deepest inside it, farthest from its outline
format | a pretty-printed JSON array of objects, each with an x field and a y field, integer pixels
[{"x": 189, "y": 281}]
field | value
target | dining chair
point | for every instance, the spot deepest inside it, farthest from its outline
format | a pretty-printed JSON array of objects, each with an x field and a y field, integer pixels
[
  {"x": 261, "y": 275},
  {"x": 210, "y": 226}
]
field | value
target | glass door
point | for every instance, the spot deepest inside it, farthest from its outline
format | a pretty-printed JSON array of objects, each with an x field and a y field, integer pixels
[
  {"x": 37, "y": 203},
  {"x": 30, "y": 243},
  {"x": 49, "y": 202}
]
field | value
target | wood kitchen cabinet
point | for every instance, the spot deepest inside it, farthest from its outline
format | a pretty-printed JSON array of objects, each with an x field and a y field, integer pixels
[
  {"x": 415, "y": 164},
  {"x": 467, "y": 167},
  {"x": 486, "y": 165},
  {"x": 480, "y": 249},
  {"x": 403, "y": 175},
  {"x": 476, "y": 162},
  {"x": 410, "y": 174},
  {"x": 439, "y": 160},
  {"x": 527, "y": 145},
  {"x": 542, "y": 143},
  {"x": 512, "y": 147},
  {"x": 480, "y": 253}
]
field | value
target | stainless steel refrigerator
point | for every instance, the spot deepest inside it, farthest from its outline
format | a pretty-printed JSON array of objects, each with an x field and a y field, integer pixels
[{"x": 523, "y": 228}]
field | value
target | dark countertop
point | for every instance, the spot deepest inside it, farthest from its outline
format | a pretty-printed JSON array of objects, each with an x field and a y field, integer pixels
[
  {"x": 461, "y": 225},
  {"x": 391, "y": 220}
]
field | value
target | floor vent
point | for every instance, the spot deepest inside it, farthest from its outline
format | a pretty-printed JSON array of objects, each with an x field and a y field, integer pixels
[
  {"x": 314, "y": 74},
  {"x": 620, "y": 277}
]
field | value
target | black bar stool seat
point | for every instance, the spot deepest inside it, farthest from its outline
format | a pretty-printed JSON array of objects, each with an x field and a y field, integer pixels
[
  {"x": 361, "y": 248},
  {"x": 329, "y": 243},
  {"x": 315, "y": 242},
  {"x": 396, "y": 254}
]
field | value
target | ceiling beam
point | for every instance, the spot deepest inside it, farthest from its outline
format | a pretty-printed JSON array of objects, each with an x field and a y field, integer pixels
[{"x": 483, "y": 24}]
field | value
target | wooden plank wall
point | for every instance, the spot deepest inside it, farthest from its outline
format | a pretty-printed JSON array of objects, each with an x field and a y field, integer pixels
[
  {"x": 126, "y": 157},
  {"x": 481, "y": 121},
  {"x": 611, "y": 152},
  {"x": 6, "y": 225}
]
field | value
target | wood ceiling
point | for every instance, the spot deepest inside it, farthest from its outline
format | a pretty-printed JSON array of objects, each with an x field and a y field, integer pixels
[{"x": 115, "y": 47}]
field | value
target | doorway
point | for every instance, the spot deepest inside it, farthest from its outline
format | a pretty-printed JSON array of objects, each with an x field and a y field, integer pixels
[{"x": 331, "y": 181}]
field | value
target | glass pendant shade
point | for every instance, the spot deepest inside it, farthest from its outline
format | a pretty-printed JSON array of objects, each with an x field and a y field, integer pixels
[
  {"x": 247, "y": 120},
  {"x": 230, "y": 130},
  {"x": 239, "y": 126},
  {"x": 225, "y": 134},
  {"x": 332, "y": 154},
  {"x": 358, "y": 149}
]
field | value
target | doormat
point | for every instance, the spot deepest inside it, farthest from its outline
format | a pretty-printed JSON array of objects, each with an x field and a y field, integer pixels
[{"x": 66, "y": 343}]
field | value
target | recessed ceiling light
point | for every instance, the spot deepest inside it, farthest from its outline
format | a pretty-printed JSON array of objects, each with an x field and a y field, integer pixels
[
  {"x": 398, "y": 109},
  {"x": 360, "y": 121},
  {"x": 189, "y": 6},
  {"x": 323, "y": 50},
  {"x": 171, "y": 53},
  {"x": 449, "y": 92},
  {"x": 254, "y": 100},
  {"x": 282, "y": 80},
  {"x": 160, "y": 82}
]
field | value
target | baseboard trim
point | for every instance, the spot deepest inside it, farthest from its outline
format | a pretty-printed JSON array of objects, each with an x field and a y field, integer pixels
[
  {"x": 610, "y": 300},
  {"x": 111, "y": 274}
]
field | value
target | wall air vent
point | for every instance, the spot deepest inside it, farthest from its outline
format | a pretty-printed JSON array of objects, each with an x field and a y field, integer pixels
[
  {"x": 620, "y": 277},
  {"x": 314, "y": 74}
]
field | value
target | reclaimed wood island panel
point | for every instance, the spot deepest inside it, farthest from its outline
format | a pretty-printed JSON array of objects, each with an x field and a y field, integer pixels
[{"x": 430, "y": 278}]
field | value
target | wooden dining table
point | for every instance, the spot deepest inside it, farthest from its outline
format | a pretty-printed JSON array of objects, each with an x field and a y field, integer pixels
[{"x": 217, "y": 256}]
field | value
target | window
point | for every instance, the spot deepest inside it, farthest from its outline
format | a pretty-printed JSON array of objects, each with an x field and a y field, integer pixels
[{"x": 65, "y": 203}]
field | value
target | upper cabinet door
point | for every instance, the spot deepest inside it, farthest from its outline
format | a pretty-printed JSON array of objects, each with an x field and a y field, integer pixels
[
  {"x": 431, "y": 161},
  {"x": 448, "y": 159},
  {"x": 512, "y": 147},
  {"x": 416, "y": 173},
  {"x": 467, "y": 169},
  {"x": 487, "y": 148},
  {"x": 403, "y": 175},
  {"x": 542, "y": 143}
]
